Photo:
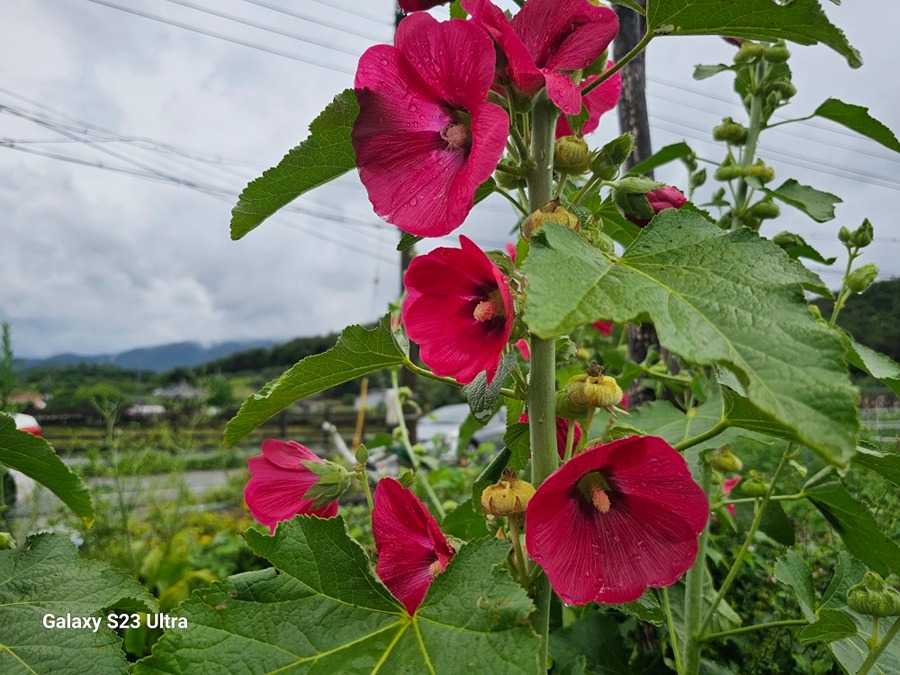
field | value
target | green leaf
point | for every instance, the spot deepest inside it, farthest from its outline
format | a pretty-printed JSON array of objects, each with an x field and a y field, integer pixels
[
  {"x": 518, "y": 440},
  {"x": 465, "y": 522},
  {"x": 796, "y": 247},
  {"x": 847, "y": 572},
  {"x": 801, "y": 21},
  {"x": 324, "y": 612},
  {"x": 596, "y": 638},
  {"x": 790, "y": 569},
  {"x": 326, "y": 154},
  {"x": 816, "y": 204},
  {"x": 631, "y": 4},
  {"x": 358, "y": 351},
  {"x": 456, "y": 10},
  {"x": 856, "y": 527},
  {"x": 646, "y": 608},
  {"x": 484, "y": 398},
  {"x": 876, "y": 364},
  {"x": 37, "y": 459},
  {"x": 857, "y": 118},
  {"x": 45, "y": 576},
  {"x": 663, "y": 156},
  {"x": 852, "y": 651},
  {"x": 832, "y": 625},
  {"x": 408, "y": 241},
  {"x": 885, "y": 464},
  {"x": 715, "y": 297},
  {"x": 777, "y": 525},
  {"x": 485, "y": 190},
  {"x": 702, "y": 72}
]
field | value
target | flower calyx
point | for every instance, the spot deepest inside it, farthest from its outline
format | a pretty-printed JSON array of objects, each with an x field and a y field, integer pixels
[
  {"x": 332, "y": 483},
  {"x": 507, "y": 497},
  {"x": 550, "y": 212},
  {"x": 754, "y": 486},
  {"x": 862, "y": 277},
  {"x": 726, "y": 461},
  {"x": 873, "y": 597}
]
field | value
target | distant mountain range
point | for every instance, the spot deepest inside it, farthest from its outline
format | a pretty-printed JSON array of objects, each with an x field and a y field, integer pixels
[{"x": 155, "y": 359}]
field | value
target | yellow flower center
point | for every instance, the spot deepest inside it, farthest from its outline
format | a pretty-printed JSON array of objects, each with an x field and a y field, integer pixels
[
  {"x": 595, "y": 489},
  {"x": 435, "y": 568},
  {"x": 456, "y": 135}
]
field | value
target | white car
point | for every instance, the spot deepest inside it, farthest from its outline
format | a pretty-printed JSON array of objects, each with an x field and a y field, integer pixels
[{"x": 439, "y": 429}]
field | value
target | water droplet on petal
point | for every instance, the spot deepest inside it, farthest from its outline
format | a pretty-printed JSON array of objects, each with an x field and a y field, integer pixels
[
  {"x": 413, "y": 201},
  {"x": 384, "y": 62}
]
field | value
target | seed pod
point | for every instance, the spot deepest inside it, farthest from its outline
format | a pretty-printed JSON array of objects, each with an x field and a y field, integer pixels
[
  {"x": 754, "y": 486},
  {"x": 872, "y": 597},
  {"x": 594, "y": 391},
  {"x": 571, "y": 155},
  {"x": 765, "y": 209},
  {"x": 508, "y": 497},
  {"x": 549, "y": 212},
  {"x": 725, "y": 460}
]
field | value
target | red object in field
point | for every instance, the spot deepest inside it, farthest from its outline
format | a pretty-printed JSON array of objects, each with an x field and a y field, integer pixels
[{"x": 27, "y": 423}]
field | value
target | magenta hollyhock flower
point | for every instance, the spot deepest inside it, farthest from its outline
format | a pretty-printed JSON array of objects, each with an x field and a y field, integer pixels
[
  {"x": 545, "y": 40},
  {"x": 727, "y": 486},
  {"x": 279, "y": 481},
  {"x": 616, "y": 519},
  {"x": 426, "y": 137},
  {"x": 603, "y": 327},
  {"x": 419, "y": 5},
  {"x": 459, "y": 311},
  {"x": 666, "y": 197},
  {"x": 522, "y": 346},
  {"x": 412, "y": 550},
  {"x": 598, "y": 101},
  {"x": 562, "y": 432}
]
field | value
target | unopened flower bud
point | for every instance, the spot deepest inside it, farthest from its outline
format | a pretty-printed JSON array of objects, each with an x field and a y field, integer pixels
[
  {"x": 550, "y": 212},
  {"x": 605, "y": 163},
  {"x": 362, "y": 454},
  {"x": 640, "y": 204},
  {"x": 570, "y": 154},
  {"x": 862, "y": 277},
  {"x": 406, "y": 478},
  {"x": 6, "y": 541},
  {"x": 725, "y": 460},
  {"x": 594, "y": 391},
  {"x": 777, "y": 54},
  {"x": 698, "y": 178},
  {"x": 782, "y": 86},
  {"x": 844, "y": 234},
  {"x": 754, "y": 486},
  {"x": 764, "y": 209},
  {"x": 863, "y": 235},
  {"x": 333, "y": 482},
  {"x": 731, "y": 132},
  {"x": 872, "y": 597},
  {"x": 748, "y": 52},
  {"x": 729, "y": 172},
  {"x": 508, "y": 497},
  {"x": 759, "y": 170}
]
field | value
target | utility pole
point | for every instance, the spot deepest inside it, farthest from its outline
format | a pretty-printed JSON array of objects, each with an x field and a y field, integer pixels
[{"x": 633, "y": 118}]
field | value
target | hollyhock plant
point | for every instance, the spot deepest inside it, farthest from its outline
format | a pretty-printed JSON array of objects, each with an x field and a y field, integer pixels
[
  {"x": 459, "y": 310},
  {"x": 426, "y": 137},
  {"x": 562, "y": 432},
  {"x": 598, "y": 102},
  {"x": 412, "y": 550},
  {"x": 279, "y": 482},
  {"x": 603, "y": 327},
  {"x": 615, "y": 520},
  {"x": 727, "y": 486},
  {"x": 666, "y": 197},
  {"x": 546, "y": 39}
]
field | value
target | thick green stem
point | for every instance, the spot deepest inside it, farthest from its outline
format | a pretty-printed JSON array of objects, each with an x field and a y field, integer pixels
[
  {"x": 693, "y": 593},
  {"x": 705, "y": 436},
  {"x": 673, "y": 635},
  {"x": 752, "y": 627},
  {"x": 753, "y": 130},
  {"x": 844, "y": 293},
  {"x": 877, "y": 651},
  {"x": 542, "y": 388}
]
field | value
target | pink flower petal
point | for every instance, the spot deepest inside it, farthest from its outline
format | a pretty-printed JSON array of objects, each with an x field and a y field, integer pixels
[
  {"x": 598, "y": 101},
  {"x": 646, "y": 538},
  {"x": 409, "y": 541}
]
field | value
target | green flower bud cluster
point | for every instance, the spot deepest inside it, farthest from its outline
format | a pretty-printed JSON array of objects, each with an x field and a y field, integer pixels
[
  {"x": 765, "y": 208},
  {"x": 754, "y": 486},
  {"x": 873, "y": 597},
  {"x": 730, "y": 132},
  {"x": 606, "y": 161},
  {"x": 571, "y": 155},
  {"x": 730, "y": 171},
  {"x": 861, "y": 237},
  {"x": 862, "y": 277},
  {"x": 333, "y": 482},
  {"x": 726, "y": 461},
  {"x": 550, "y": 212}
]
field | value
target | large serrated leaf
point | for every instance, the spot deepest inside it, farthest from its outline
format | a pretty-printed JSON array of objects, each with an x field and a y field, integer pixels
[
  {"x": 325, "y": 612},
  {"x": 665, "y": 155},
  {"x": 36, "y": 458},
  {"x": 358, "y": 351},
  {"x": 715, "y": 297},
  {"x": 44, "y": 577},
  {"x": 326, "y": 154},
  {"x": 857, "y": 118},
  {"x": 484, "y": 397},
  {"x": 856, "y": 527},
  {"x": 878, "y": 365},
  {"x": 817, "y": 204},
  {"x": 800, "y": 21}
]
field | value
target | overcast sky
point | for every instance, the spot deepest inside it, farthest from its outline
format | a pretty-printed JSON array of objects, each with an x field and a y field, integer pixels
[{"x": 137, "y": 253}]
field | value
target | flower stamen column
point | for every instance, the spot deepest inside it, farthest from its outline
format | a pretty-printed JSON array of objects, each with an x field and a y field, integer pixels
[{"x": 542, "y": 387}]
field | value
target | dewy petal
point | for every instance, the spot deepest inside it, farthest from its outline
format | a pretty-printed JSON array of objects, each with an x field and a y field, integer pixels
[
  {"x": 407, "y": 96},
  {"x": 648, "y": 538},
  {"x": 409, "y": 542},
  {"x": 419, "y": 5},
  {"x": 444, "y": 287},
  {"x": 598, "y": 101},
  {"x": 564, "y": 93}
]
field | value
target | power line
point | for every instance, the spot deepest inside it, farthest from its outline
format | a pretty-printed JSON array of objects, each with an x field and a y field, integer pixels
[
  {"x": 303, "y": 17},
  {"x": 259, "y": 26},
  {"x": 220, "y": 36}
]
